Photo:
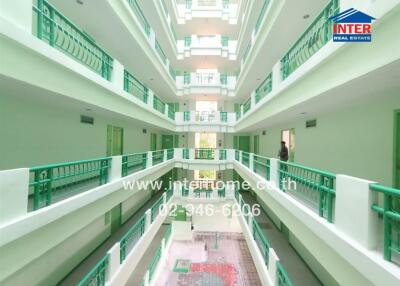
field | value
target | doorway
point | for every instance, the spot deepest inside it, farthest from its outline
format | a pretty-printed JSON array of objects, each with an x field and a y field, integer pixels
[
  {"x": 153, "y": 142},
  {"x": 167, "y": 141},
  {"x": 115, "y": 215},
  {"x": 256, "y": 144},
  {"x": 288, "y": 136},
  {"x": 115, "y": 139}
]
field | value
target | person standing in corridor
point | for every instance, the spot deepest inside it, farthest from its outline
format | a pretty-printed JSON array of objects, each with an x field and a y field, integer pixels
[{"x": 283, "y": 152}]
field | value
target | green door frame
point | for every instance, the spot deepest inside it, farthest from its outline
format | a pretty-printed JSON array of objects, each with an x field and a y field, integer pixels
[
  {"x": 291, "y": 144},
  {"x": 115, "y": 140},
  {"x": 244, "y": 143},
  {"x": 153, "y": 142},
  {"x": 396, "y": 153},
  {"x": 256, "y": 144}
]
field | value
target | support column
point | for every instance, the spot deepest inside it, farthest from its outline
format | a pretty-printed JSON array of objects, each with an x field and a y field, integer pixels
[
  {"x": 14, "y": 190},
  {"x": 353, "y": 213},
  {"x": 252, "y": 99},
  {"x": 251, "y": 161},
  {"x": 113, "y": 261},
  {"x": 150, "y": 98},
  {"x": 117, "y": 74},
  {"x": 116, "y": 168},
  {"x": 166, "y": 109},
  {"x": 164, "y": 195},
  {"x": 276, "y": 75},
  {"x": 272, "y": 271},
  {"x": 274, "y": 172},
  {"x": 147, "y": 222},
  {"x": 240, "y": 156},
  {"x": 178, "y": 189},
  {"x": 191, "y": 154},
  {"x": 216, "y": 154},
  {"x": 165, "y": 155},
  {"x": 149, "y": 161}
]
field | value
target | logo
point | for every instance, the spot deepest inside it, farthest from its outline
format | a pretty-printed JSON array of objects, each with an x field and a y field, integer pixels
[{"x": 352, "y": 26}]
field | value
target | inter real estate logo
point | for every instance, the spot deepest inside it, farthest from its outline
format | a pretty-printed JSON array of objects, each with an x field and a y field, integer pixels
[{"x": 352, "y": 25}]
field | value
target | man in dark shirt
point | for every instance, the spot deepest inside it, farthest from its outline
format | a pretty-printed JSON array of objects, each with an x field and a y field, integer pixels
[{"x": 284, "y": 152}]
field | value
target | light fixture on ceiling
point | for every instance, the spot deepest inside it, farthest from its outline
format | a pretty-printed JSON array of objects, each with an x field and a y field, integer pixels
[
  {"x": 80, "y": 2},
  {"x": 151, "y": 78},
  {"x": 88, "y": 109},
  {"x": 306, "y": 16},
  {"x": 258, "y": 79},
  {"x": 303, "y": 113}
]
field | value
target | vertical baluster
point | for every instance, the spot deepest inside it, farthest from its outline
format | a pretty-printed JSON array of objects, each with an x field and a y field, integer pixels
[
  {"x": 387, "y": 228},
  {"x": 52, "y": 27}
]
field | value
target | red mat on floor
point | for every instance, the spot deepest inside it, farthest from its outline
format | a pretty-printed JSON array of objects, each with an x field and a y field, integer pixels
[{"x": 226, "y": 271}]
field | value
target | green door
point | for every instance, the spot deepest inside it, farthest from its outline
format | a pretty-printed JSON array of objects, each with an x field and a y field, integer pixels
[
  {"x": 244, "y": 143},
  {"x": 115, "y": 139},
  {"x": 115, "y": 218},
  {"x": 153, "y": 142},
  {"x": 176, "y": 141},
  {"x": 235, "y": 142},
  {"x": 397, "y": 151},
  {"x": 167, "y": 141},
  {"x": 256, "y": 144}
]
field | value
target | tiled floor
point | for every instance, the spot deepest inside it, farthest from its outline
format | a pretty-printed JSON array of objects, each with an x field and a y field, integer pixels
[{"x": 216, "y": 259}]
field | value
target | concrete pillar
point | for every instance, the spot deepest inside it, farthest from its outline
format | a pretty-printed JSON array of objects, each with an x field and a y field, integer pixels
[
  {"x": 178, "y": 153},
  {"x": 165, "y": 155},
  {"x": 113, "y": 261},
  {"x": 146, "y": 278},
  {"x": 230, "y": 154},
  {"x": 191, "y": 192},
  {"x": 18, "y": 12},
  {"x": 214, "y": 194},
  {"x": 241, "y": 111},
  {"x": 276, "y": 75},
  {"x": 191, "y": 154},
  {"x": 216, "y": 154},
  {"x": 166, "y": 110},
  {"x": 147, "y": 221},
  {"x": 164, "y": 195},
  {"x": 230, "y": 191},
  {"x": 150, "y": 98},
  {"x": 252, "y": 99},
  {"x": 240, "y": 156},
  {"x": 250, "y": 223},
  {"x": 149, "y": 161},
  {"x": 251, "y": 161},
  {"x": 177, "y": 189},
  {"x": 14, "y": 190},
  {"x": 274, "y": 172},
  {"x": 116, "y": 168},
  {"x": 353, "y": 213},
  {"x": 272, "y": 260},
  {"x": 192, "y": 116},
  {"x": 117, "y": 74}
]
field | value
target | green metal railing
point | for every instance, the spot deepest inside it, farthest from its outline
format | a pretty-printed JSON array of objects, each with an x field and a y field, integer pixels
[
  {"x": 154, "y": 262},
  {"x": 167, "y": 233},
  {"x": 188, "y": 41},
  {"x": 261, "y": 241},
  {"x": 390, "y": 212},
  {"x": 221, "y": 193},
  {"x": 223, "y": 116},
  {"x": 139, "y": 14},
  {"x": 158, "y": 104},
  {"x": 186, "y": 116},
  {"x": 160, "y": 52},
  {"x": 261, "y": 15},
  {"x": 155, "y": 208},
  {"x": 236, "y": 194},
  {"x": 186, "y": 78},
  {"x": 185, "y": 192},
  {"x": 171, "y": 114},
  {"x": 172, "y": 72},
  {"x": 222, "y": 154},
  {"x": 223, "y": 79},
  {"x": 170, "y": 193},
  {"x": 133, "y": 162},
  {"x": 247, "y": 105},
  {"x": 60, "y": 179},
  {"x": 185, "y": 153},
  {"x": 188, "y": 4},
  {"x": 237, "y": 155},
  {"x": 224, "y": 41},
  {"x": 198, "y": 193},
  {"x": 261, "y": 166},
  {"x": 204, "y": 153},
  {"x": 170, "y": 154},
  {"x": 97, "y": 275},
  {"x": 264, "y": 88},
  {"x": 245, "y": 159},
  {"x": 131, "y": 237},
  {"x": 238, "y": 114},
  {"x": 164, "y": 5},
  {"x": 59, "y": 32},
  {"x": 158, "y": 157},
  {"x": 312, "y": 40},
  {"x": 313, "y": 186},
  {"x": 135, "y": 87},
  {"x": 282, "y": 276},
  {"x": 173, "y": 32}
]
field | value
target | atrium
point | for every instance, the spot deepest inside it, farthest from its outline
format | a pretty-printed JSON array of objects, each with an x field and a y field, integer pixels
[{"x": 200, "y": 142}]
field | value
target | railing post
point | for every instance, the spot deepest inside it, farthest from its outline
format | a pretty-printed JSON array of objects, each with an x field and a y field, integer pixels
[
  {"x": 118, "y": 74},
  {"x": 178, "y": 189},
  {"x": 276, "y": 75},
  {"x": 272, "y": 269},
  {"x": 251, "y": 218},
  {"x": 116, "y": 168},
  {"x": 251, "y": 162},
  {"x": 353, "y": 213},
  {"x": 165, "y": 155},
  {"x": 150, "y": 98},
  {"x": 149, "y": 161},
  {"x": 192, "y": 116},
  {"x": 113, "y": 261},
  {"x": 230, "y": 191},
  {"x": 166, "y": 109},
  {"x": 164, "y": 195},
  {"x": 147, "y": 221},
  {"x": 252, "y": 99},
  {"x": 191, "y": 154},
  {"x": 20, "y": 13},
  {"x": 216, "y": 154},
  {"x": 241, "y": 157},
  {"x": 14, "y": 190},
  {"x": 274, "y": 172}
]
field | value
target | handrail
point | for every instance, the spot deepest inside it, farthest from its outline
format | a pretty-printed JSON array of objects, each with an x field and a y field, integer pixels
[
  {"x": 97, "y": 274},
  {"x": 133, "y": 86}
]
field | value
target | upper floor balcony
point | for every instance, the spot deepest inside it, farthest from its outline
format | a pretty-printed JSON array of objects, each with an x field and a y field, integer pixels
[
  {"x": 209, "y": 121},
  {"x": 205, "y": 82},
  {"x": 207, "y": 45},
  {"x": 226, "y": 10}
]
